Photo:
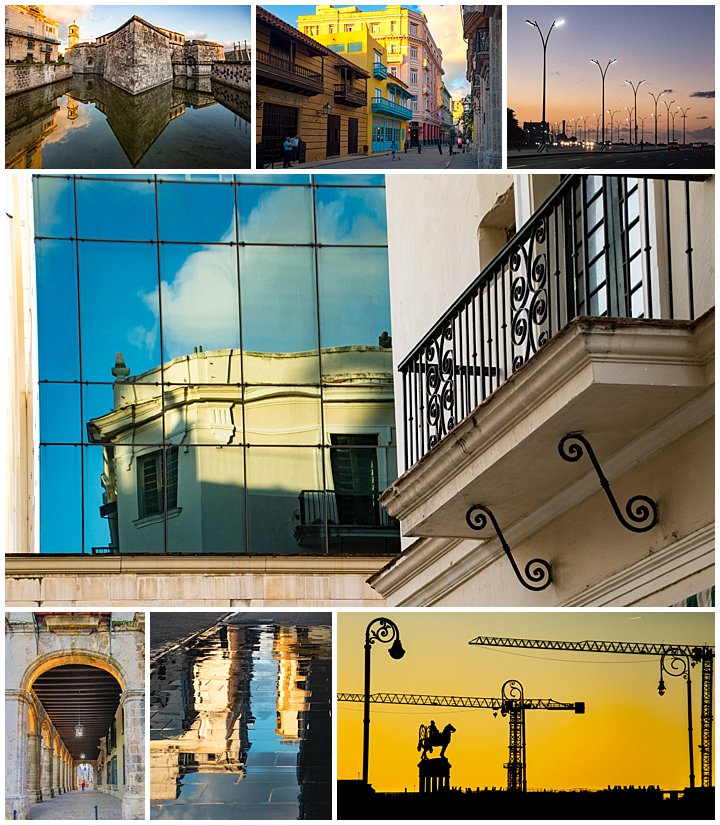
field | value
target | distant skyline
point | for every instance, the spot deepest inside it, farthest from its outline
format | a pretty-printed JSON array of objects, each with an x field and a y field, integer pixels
[
  {"x": 629, "y": 734},
  {"x": 221, "y": 24},
  {"x": 670, "y": 47},
  {"x": 445, "y": 23}
]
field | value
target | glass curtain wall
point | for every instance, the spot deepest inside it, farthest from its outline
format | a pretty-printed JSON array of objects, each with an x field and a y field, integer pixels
[{"x": 215, "y": 370}]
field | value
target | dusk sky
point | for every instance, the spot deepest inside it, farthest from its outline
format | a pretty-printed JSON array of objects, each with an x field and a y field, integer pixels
[
  {"x": 222, "y": 24},
  {"x": 628, "y": 734},
  {"x": 445, "y": 23},
  {"x": 670, "y": 47}
]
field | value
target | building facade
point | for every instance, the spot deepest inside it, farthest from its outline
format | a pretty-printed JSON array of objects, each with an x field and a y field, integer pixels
[
  {"x": 30, "y": 35},
  {"x": 447, "y": 128},
  {"x": 388, "y": 99},
  {"x": 580, "y": 358},
  {"x": 482, "y": 29},
  {"x": 412, "y": 55},
  {"x": 64, "y": 668},
  {"x": 305, "y": 90}
]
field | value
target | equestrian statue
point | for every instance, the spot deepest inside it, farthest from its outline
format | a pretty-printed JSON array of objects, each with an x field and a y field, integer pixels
[{"x": 430, "y": 737}]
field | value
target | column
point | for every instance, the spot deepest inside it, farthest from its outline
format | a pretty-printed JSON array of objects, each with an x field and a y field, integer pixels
[
  {"x": 33, "y": 768},
  {"x": 493, "y": 147},
  {"x": 55, "y": 770},
  {"x": 17, "y": 801},
  {"x": 132, "y": 703},
  {"x": 46, "y": 772}
]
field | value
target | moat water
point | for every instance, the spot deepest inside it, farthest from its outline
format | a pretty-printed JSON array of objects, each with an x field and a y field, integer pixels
[
  {"x": 240, "y": 721},
  {"x": 88, "y": 123}
]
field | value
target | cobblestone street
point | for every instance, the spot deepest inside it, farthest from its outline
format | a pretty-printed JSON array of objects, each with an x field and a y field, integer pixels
[{"x": 78, "y": 805}]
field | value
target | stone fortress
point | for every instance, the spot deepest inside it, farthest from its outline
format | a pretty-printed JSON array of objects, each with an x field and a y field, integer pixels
[{"x": 139, "y": 56}]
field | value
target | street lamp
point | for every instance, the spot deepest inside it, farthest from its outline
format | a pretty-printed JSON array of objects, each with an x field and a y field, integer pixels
[
  {"x": 656, "y": 104},
  {"x": 635, "y": 88},
  {"x": 612, "y": 120},
  {"x": 544, "y": 41},
  {"x": 597, "y": 126},
  {"x": 385, "y": 631},
  {"x": 642, "y": 129},
  {"x": 667, "y": 106},
  {"x": 679, "y": 665},
  {"x": 684, "y": 115},
  {"x": 583, "y": 131},
  {"x": 603, "y": 72},
  {"x": 630, "y": 111}
]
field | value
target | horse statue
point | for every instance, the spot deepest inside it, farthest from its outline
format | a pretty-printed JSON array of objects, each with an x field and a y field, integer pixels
[{"x": 430, "y": 737}]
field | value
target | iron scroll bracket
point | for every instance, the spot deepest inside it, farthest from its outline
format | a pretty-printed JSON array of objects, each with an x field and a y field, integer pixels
[
  {"x": 538, "y": 573},
  {"x": 641, "y": 511}
]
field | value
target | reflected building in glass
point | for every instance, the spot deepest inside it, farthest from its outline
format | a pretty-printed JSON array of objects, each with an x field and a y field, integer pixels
[{"x": 215, "y": 364}]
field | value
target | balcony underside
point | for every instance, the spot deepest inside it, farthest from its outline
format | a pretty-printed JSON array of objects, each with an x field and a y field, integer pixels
[
  {"x": 611, "y": 380},
  {"x": 279, "y": 79}
]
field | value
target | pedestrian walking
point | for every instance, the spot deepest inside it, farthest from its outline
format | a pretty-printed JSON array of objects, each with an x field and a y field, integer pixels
[
  {"x": 393, "y": 148},
  {"x": 287, "y": 152},
  {"x": 295, "y": 143},
  {"x": 440, "y": 147},
  {"x": 407, "y": 145}
]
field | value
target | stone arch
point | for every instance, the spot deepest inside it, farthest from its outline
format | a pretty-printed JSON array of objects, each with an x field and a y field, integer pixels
[
  {"x": 72, "y": 657},
  {"x": 46, "y": 734},
  {"x": 32, "y": 720}
]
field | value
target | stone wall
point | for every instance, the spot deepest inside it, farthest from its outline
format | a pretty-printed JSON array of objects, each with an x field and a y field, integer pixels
[
  {"x": 22, "y": 77},
  {"x": 137, "y": 57},
  {"x": 232, "y": 74}
]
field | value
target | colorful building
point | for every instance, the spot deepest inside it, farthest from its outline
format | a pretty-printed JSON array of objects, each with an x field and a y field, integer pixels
[
  {"x": 306, "y": 90},
  {"x": 389, "y": 100},
  {"x": 30, "y": 35},
  {"x": 413, "y": 57}
]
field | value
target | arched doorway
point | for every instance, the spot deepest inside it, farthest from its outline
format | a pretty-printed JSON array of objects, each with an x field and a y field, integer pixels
[{"x": 85, "y": 776}]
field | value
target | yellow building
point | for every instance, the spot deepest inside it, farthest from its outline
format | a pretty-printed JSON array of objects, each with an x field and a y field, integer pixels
[
  {"x": 412, "y": 55},
  {"x": 388, "y": 99},
  {"x": 30, "y": 35}
]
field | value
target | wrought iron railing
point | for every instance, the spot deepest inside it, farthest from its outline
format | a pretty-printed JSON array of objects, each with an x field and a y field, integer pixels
[
  {"x": 599, "y": 246},
  {"x": 384, "y": 106},
  {"x": 29, "y": 36},
  {"x": 343, "y": 510}
]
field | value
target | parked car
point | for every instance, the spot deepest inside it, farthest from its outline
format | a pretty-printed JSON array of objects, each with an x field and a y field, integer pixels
[{"x": 673, "y": 145}]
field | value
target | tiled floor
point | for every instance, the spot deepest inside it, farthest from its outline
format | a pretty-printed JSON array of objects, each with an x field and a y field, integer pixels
[{"x": 78, "y": 805}]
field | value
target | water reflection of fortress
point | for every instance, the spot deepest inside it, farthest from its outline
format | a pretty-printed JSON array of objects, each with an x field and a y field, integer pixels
[
  {"x": 249, "y": 436},
  {"x": 205, "y": 699}
]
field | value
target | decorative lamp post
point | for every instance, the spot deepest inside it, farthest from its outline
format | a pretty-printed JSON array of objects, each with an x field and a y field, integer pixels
[
  {"x": 635, "y": 87},
  {"x": 656, "y": 99},
  {"x": 630, "y": 110},
  {"x": 385, "y": 631},
  {"x": 642, "y": 128},
  {"x": 603, "y": 72},
  {"x": 667, "y": 106},
  {"x": 679, "y": 665},
  {"x": 612, "y": 120},
  {"x": 544, "y": 40},
  {"x": 597, "y": 126},
  {"x": 684, "y": 115}
]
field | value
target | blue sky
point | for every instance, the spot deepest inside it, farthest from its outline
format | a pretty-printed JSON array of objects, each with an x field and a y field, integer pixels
[
  {"x": 222, "y": 24},
  {"x": 120, "y": 309}
]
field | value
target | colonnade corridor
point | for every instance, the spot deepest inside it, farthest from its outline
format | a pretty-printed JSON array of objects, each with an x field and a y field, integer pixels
[{"x": 78, "y": 805}]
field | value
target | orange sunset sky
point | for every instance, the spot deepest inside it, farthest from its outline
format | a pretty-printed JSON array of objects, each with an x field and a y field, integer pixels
[{"x": 628, "y": 735}]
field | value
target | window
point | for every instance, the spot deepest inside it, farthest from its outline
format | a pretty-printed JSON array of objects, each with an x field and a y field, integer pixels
[
  {"x": 393, "y": 26},
  {"x": 149, "y": 482},
  {"x": 349, "y": 27},
  {"x": 393, "y": 71},
  {"x": 331, "y": 28},
  {"x": 374, "y": 28},
  {"x": 354, "y": 464},
  {"x": 413, "y": 51},
  {"x": 414, "y": 106},
  {"x": 355, "y": 47},
  {"x": 413, "y": 30},
  {"x": 337, "y": 47},
  {"x": 413, "y": 77}
]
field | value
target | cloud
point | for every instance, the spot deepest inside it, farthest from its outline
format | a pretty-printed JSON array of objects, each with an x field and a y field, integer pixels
[
  {"x": 192, "y": 35},
  {"x": 68, "y": 14},
  {"x": 667, "y": 91},
  {"x": 703, "y": 117},
  {"x": 445, "y": 23},
  {"x": 703, "y": 94}
]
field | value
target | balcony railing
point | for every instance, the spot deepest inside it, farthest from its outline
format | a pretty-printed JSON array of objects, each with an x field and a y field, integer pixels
[
  {"x": 277, "y": 71},
  {"x": 21, "y": 33},
  {"x": 603, "y": 247},
  {"x": 348, "y": 95},
  {"x": 380, "y": 71},
  {"x": 383, "y": 106}
]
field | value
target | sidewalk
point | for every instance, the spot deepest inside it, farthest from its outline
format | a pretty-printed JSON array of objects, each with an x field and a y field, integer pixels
[
  {"x": 428, "y": 158},
  {"x": 78, "y": 805},
  {"x": 558, "y": 151}
]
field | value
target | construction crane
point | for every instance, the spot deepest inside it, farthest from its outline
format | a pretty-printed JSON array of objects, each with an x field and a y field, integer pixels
[
  {"x": 512, "y": 703},
  {"x": 687, "y": 655}
]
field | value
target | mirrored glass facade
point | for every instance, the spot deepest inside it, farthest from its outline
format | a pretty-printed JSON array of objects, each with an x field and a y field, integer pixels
[{"x": 215, "y": 364}]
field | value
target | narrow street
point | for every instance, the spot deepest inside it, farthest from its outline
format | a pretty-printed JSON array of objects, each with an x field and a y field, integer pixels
[
  {"x": 429, "y": 158},
  {"x": 78, "y": 805}
]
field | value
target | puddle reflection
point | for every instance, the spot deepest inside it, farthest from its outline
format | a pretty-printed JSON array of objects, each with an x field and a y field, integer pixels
[{"x": 240, "y": 725}]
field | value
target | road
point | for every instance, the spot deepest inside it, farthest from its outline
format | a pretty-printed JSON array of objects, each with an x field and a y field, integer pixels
[
  {"x": 429, "y": 158},
  {"x": 616, "y": 158}
]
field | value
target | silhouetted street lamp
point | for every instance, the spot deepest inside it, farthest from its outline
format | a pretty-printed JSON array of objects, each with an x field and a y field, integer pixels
[
  {"x": 385, "y": 631},
  {"x": 630, "y": 111},
  {"x": 679, "y": 665},
  {"x": 544, "y": 41},
  {"x": 656, "y": 104},
  {"x": 603, "y": 72},
  {"x": 642, "y": 129},
  {"x": 612, "y": 120},
  {"x": 667, "y": 106},
  {"x": 635, "y": 88},
  {"x": 597, "y": 125},
  {"x": 684, "y": 115}
]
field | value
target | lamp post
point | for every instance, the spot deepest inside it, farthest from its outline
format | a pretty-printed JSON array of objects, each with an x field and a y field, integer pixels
[
  {"x": 612, "y": 120},
  {"x": 672, "y": 114},
  {"x": 630, "y": 111},
  {"x": 597, "y": 126},
  {"x": 656, "y": 105},
  {"x": 684, "y": 115},
  {"x": 667, "y": 106},
  {"x": 583, "y": 135},
  {"x": 544, "y": 41},
  {"x": 642, "y": 129},
  {"x": 679, "y": 665},
  {"x": 635, "y": 87},
  {"x": 603, "y": 72},
  {"x": 385, "y": 631}
]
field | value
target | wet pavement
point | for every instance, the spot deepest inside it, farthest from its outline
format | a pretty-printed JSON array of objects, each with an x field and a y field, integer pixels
[
  {"x": 240, "y": 723},
  {"x": 78, "y": 805}
]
